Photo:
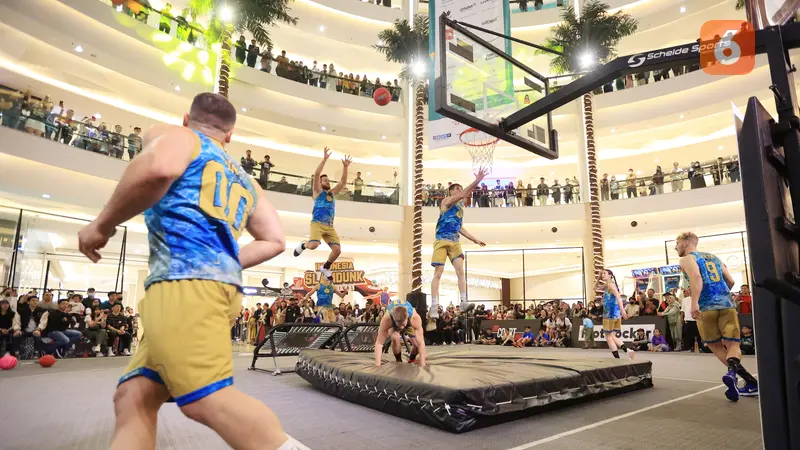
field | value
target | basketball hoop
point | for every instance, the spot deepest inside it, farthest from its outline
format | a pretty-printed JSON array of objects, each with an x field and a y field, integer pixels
[{"x": 481, "y": 147}]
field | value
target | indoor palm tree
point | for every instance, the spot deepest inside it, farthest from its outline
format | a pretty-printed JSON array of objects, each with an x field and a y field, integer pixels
[
  {"x": 252, "y": 16},
  {"x": 407, "y": 43},
  {"x": 584, "y": 41}
]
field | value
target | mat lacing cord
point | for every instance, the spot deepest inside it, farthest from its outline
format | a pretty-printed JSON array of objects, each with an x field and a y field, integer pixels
[{"x": 330, "y": 376}]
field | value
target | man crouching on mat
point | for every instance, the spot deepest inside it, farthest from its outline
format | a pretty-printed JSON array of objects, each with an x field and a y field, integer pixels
[{"x": 400, "y": 317}]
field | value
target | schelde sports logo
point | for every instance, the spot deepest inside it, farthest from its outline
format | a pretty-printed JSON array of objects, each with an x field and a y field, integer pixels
[
  {"x": 636, "y": 60},
  {"x": 727, "y": 47}
]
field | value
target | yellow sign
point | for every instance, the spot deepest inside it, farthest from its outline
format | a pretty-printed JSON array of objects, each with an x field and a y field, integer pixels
[{"x": 343, "y": 273}]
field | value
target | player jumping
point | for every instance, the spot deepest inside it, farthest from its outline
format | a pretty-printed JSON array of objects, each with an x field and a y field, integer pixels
[
  {"x": 325, "y": 290},
  {"x": 715, "y": 311},
  {"x": 196, "y": 201},
  {"x": 324, "y": 212},
  {"x": 401, "y": 317},
  {"x": 448, "y": 228}
]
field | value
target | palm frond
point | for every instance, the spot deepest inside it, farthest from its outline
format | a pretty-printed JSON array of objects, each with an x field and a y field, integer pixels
[
  {"x": 739, "y": 4},
  {"x": 405, "y": 42},
  {"x": 252, "y": 16}
]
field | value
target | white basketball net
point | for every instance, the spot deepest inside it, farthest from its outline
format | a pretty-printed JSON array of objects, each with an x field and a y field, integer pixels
[{"x": 481, "y": 147}]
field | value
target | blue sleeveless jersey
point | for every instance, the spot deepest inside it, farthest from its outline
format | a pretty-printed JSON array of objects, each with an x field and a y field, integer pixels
[
  {"x": 325, "y": 294},
  {"x": 324, "y": 208},
  {"x": 401, "y": 303},
  {"x": 715, "y": 294},
  {"x": 193, "y": 229},
  {"x": 610, "y": 306},
  {"x": 449, "y": 224}
]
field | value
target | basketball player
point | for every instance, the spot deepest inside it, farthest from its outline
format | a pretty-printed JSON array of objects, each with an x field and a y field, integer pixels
[
  {"x": 196, "y": 201},
  {"x": 613, "y": 313},
  {"x": 325, "y": 290},
  {"x": 446, "y": 246},
  {"x": 324, "y": 212},
  {"x": 715, "y": 312},
  {"x": 401, "y": 317}
]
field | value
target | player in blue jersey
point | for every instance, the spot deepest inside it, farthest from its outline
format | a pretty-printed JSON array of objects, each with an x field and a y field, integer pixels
[
  {"x": 197, "y": 201},
  {"x": 446, "y": 246},
  {"x": 324, "y": 212},
  {"x": 325, "y": 290},
  {"x": 401, "y": 317},
  {"x": 715, "y": 312},
  {"x": 613, "y": 313}
]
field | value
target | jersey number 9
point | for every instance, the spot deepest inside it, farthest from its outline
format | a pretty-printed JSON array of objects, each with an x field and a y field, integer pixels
[
  {"x": 713, "y": 273},
  {"x": 220, "y": 201}
]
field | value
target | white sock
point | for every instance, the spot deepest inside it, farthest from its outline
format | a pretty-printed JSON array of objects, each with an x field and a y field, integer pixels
[
  {"x": 434, "y": 300},
  {"x": 292, "y": 444},
  {"x": 463, "y": 297}
]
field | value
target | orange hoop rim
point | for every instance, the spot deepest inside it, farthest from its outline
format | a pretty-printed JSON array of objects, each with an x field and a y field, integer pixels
[{"x": 492, "y": 141}]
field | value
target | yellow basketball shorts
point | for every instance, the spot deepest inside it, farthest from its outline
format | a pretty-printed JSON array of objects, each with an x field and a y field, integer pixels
[
  {"x": 320, "y": 231},
  {"x": 186, "y": 343},
  {"x": 719, "y": 324},
  {"x": 611, "y": 325},
  {"x": 444, "y": 250}
]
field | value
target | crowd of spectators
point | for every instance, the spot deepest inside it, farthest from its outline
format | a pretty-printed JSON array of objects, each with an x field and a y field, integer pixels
[
  {"x": 56, "y": 122},
  {"x": 32, "y": 326}
]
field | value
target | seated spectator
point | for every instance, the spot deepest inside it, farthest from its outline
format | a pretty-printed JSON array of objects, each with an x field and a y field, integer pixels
[
  {"x": 57, "y": 329},
  {"x": 588, "y": 333},
  {"x": 659, "y": 342},
  {"x": 632, "y": 308},
  {"x": 486, "y": 338},
  {"x": 640, "y": 341},
  {"x": 596, "y": 311},
  {"x": 47, "y": 302},
  {"x": 542, "y": 339},
  {"x": 505, "y": 337},
  {"x": 563, "y": 340},
  {"x": 30, "y": 321},
  {"x": 95, "y": 331},
  {"x": 526, "y": 340},
  {"x": 6, "y": 325},
  {"x": 529, "y": 314},
  {"x": 117, "y": 327},
  {"x": 748, "y": 343}
]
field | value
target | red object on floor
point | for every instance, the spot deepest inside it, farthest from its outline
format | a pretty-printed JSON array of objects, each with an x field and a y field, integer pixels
[
  {"x": 47, "y": 360},
  {"x": 382, "y": 96},
  {"x": 8, "y": 362}
]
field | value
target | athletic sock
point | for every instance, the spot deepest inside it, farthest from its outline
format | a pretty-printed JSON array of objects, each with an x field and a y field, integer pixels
[
  {"x": 303, "y": 245},
  {"x": 434, "y": 300},
  {"x": 615, "y": 353},
  {"x": 463, "y": 297},
  {"x": 398, "y": 357},
  {"x": 623, "y": 348},
  {"x": 733, "y": 364},
  {"x": 412, "y": 357},
  {"x": 746, "y": 376}
]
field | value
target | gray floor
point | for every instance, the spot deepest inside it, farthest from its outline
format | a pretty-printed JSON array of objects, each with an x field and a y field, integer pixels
[{"x": 68, "y": 406}]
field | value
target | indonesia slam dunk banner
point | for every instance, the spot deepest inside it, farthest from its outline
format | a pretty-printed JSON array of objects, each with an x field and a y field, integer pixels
[{"x": 489, "y": 14}]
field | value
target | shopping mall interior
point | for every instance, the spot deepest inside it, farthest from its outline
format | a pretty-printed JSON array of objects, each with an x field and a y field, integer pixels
[{"x": 80, "y": 79}]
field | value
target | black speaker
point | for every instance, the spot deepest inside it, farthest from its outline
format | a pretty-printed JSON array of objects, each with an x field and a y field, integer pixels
[{"x": 419, "y": 300}]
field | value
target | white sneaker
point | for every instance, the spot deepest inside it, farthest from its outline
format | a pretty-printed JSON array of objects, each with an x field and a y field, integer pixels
[
  {"x": 326, "y": 272},
  {"x": 433, "y": 312},
  {"x": 299, "y": 249},
  {"x": 96, "y": 349},
  {"x": 98, "y": 354},
  {"x": 110, "y": 353},
  {"x": 631, "y": 354},
  {"x": 126, "y": 352},
  {"x": 466, "y": 306}
]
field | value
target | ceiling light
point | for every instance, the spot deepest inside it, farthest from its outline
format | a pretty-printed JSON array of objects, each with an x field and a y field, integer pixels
[
  {"x": 683, "y": 9},
  {"x": 587, "y": 60},
  {"x": 497, "y": 242},
  {"x": 78, "y": 49},
  {"x": 656, "y": 159},
  {"x": 369, "y": 173},
  {"x": 322, "y": 127},
  {"x": 45, "y": 195},
  {"x": 321, "y": 28},
  {"x": 97, "y": 116},
  {"x": 244, "y": 109},
  {"x": 720, "y": 148},
  {"x": 681, "y": 116},
  {"x": 419, "y": 68},
  {"x": 638, "y": 172},
  {"x": 613, "y": 130},
  {"x": 177, "y": 88},
  {"x": 383, "y": 137},
  {"x": 226, "y": 15}
]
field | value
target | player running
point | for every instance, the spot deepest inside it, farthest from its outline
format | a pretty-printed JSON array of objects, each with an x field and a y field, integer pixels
[
  {"x": 715, "y": 311},
  {"x": 446, "y": 246},
  {"x": 197, "y": 201},
  {"x": 324, "y": 212}
]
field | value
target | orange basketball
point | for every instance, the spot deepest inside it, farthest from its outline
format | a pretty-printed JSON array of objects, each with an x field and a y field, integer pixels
[
  {"x": 47, "y": 361},
  {"x": 382, "y": 96}
]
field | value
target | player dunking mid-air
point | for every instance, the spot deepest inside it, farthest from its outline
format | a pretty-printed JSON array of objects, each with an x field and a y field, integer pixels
[
  {"x": 401, "y": 317},
  {"x": 325, "y": 290},
  {"x": 613, "y": 313},
  {"x": 446, "y": 246},
  {"x": 713, "y": 307},
  {"x": 324, "y": 212},
  {"x": 196, "y": 201}
]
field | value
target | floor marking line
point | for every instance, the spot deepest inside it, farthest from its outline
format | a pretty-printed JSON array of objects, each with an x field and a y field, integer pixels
[
  {"x": 613, "y": 419},
  {"x": 686, "y": 379}
]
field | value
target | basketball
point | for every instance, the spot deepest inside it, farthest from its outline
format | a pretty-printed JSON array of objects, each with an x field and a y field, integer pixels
[
  {"x": 47, "y": 361},
  {"x": 382, "y": 96},
  {"x": 371, "y": 229},
  {"x": 8, "y": 362}
]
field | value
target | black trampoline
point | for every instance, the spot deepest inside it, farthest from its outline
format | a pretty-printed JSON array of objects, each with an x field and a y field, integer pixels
[{"x": 472, "y": 387}]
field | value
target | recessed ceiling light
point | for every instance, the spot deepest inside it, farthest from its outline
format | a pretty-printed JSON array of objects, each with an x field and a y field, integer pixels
[
  {"x": 45, "y": 195},
  {"x": 78, "y": 49},
  {"x": 497, "y": 242},
  {"x": 244, "y": 109},
  {"x": 638, "y": 172},
  {"x": 720, "y": 148},
  {"x": 322, "y": 28},
  {"x": 613, "y": 130},
  {"x": 558, "y": 240},
  {"x": 138, "y": 251},
  {"x": 383, "y": 137},
  {"x": 681, "y": 116},
  {"x": 369, "y": 173},
  {"x": 177, "y": 88},
  {"x": 656, "y": 159},
  {"x": 322, "y": 127},
  {"x": 98, "y": 116},
  {"x": 683, "y": 9}
]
